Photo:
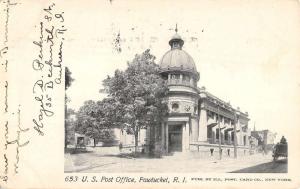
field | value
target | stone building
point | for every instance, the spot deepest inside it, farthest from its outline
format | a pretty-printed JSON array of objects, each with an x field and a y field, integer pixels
[{"x": 197, "y": 119}]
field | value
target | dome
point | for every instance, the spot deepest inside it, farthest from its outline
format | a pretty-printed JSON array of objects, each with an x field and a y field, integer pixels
[
  {"x": 177, "y": 59},
  {"x": 176, "y": 36}
]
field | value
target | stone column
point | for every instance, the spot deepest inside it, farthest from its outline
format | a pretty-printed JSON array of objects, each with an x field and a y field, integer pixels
[
  {"x": 192, "y": 81},
  {"x": 229, "y": 138},
  {"x": 203, "y": 125},
  {"x": 229, "y": 133},
  {"x": 227, "y": 127},
  {"x": 194, "y": 129},
  {"x": 186, "y": 137},
  {"x": 180, "y": 78},
  {"x": 222, "y": 136},
  {"x": 169, "y": 78},
  {"x": 238, "y": 134}
]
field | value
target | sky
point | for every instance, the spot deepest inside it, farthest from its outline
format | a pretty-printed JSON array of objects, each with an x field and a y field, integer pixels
[{"x": 247, "y": 52}]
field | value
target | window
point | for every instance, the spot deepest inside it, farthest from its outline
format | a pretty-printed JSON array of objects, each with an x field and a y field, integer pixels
[
  {"x": 209, "y": 132},
  {"x": 226, "y": 136},
  {"x": 175, "y": 78},
  {"x": 186, "y": 78},
  {"x": 175, "y": 45},
  {"x": 175, "y": 106},
  {"x": 210, "y": 114},
  {"x": 195, "y": 109}
]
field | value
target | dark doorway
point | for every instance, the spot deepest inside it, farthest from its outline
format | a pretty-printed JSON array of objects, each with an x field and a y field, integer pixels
[
  {"x": 175, "y": 138},
  {"x": 80, "y": 142}
]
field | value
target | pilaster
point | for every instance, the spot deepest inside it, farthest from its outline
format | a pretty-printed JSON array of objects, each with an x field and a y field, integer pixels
[{"x": 203, "y": 125}]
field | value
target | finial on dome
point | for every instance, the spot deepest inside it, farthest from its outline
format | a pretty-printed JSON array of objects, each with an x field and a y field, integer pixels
[{"x": 176, "y": 42}]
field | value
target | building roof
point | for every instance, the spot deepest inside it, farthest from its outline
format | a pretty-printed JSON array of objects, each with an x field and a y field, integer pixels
[
  {"x": 178, "y": 38},
  {"x": 226, "y": 105},
  {"x": 177, "y": 59}
]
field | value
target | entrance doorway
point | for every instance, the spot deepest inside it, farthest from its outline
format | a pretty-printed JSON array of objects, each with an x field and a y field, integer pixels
[{"x": 175, "y": 138}]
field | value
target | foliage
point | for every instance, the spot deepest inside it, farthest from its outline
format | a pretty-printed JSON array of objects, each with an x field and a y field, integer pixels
[
  {"x": 94, "y": 120},
  {"x": 69, "y": 125},
  {"x": 68, "y": 78},
  {"x": 138, "y": 94}
]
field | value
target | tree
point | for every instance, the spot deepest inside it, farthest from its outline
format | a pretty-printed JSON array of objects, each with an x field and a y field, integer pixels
[
  {"x": 138, "y": 94},
  {"x": 68, "y": 78},
  {"x": 69, "y": 126},
  {"x": 94, "y": 120}
]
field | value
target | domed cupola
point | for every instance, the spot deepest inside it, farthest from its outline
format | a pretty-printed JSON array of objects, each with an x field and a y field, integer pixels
[
  {"x": 176, "y": 42},
  {"x": 178, "y": 63}
]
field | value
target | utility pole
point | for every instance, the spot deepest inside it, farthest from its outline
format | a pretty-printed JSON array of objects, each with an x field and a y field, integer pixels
[
  {"x": 235, "y": 137},
  {"x": 220, "y": 149}
]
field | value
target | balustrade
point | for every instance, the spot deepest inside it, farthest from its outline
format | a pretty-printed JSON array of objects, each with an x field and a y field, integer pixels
[{"x": 178, "y": 82}]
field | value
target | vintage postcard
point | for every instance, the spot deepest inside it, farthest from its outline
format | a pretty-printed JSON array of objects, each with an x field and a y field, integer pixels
[{"x": 149, "y": 94}]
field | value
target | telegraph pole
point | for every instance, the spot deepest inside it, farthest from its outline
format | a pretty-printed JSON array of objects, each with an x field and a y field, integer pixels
[
  {"x": 235, "y": 138},
  {"x": 220, "y": 149}
]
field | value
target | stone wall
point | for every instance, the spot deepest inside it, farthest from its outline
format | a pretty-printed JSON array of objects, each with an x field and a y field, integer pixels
[{"x": 205, "y": 151}]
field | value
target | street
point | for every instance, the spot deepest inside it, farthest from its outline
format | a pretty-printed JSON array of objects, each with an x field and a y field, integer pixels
[
  {"x": 280, "y": 166},
  {"x": 109, "y": 159}
]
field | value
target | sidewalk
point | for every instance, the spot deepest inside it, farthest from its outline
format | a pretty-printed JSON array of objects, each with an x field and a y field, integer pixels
[{"x": 109, "y": 160}]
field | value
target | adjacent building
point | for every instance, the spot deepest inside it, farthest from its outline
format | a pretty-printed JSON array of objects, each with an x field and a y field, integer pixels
[{"x": 265, "y": 139}]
